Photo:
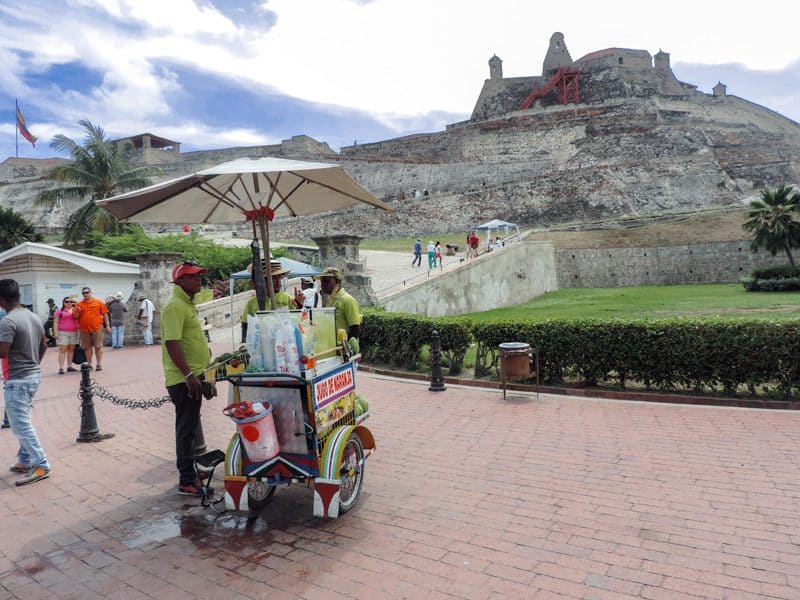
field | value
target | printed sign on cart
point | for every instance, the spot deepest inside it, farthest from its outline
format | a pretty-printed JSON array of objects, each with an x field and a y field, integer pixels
[{"x": 334, "y": 396}]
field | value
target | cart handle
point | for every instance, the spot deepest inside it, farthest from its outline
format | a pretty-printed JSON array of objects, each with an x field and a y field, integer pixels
[{"x": 239, "y": 377}]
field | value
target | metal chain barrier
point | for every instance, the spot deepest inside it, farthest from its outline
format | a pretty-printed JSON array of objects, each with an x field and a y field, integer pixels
[{"x": 104, "y": 394}]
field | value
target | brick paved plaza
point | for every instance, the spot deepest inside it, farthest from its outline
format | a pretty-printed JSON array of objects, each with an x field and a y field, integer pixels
[{"x": 468, "y": 496}]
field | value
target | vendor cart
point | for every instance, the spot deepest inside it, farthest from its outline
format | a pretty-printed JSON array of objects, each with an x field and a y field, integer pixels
[{"x": 307, "y": 427}]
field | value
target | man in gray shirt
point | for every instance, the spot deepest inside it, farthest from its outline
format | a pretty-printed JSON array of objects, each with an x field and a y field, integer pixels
[
  {"x": 22, "y": 339},
  {"x": 116, "y": 312}
]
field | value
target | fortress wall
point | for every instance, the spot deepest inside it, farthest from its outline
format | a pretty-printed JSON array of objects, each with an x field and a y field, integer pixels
[
  {"x": 505, "y": 277},
  {"x": 724, "y": 262}
]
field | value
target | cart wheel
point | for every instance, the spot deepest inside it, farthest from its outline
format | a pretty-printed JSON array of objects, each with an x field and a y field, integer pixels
[
  {"x": 259, "y": 494},
  {"x": 352, "y": 473}
]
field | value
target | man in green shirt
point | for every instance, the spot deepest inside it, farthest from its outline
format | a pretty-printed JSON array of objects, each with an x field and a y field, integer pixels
[
  {"x": 282, "y": 299},
  {"x": 347, "y": 315},
  {"x": 185, "y": 355}
]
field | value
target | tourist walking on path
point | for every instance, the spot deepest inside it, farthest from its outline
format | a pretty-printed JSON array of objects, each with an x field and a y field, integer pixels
[
  {"x": 145, "y": 318},
  {"x": 49, "y": 329},
  {"x": 472, "y": 245},
  {"x": 116, "y": 311},
  {"x": 65, "y": 325},
  {"x": 185, "y": 354},
  {"x": 92, "y": 322},
  {"x": 431, "y": 255},
  {"x": 417, "y": 262},
  {"x": 4, "y": 360},
  {"x": 23, "y": 341},
  {"x": 438, "y": 255}
]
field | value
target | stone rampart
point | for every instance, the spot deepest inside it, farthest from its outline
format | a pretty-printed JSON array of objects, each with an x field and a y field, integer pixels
[
  {"x": 505, "y": 277},
  {"x": 724, "y": 262}
]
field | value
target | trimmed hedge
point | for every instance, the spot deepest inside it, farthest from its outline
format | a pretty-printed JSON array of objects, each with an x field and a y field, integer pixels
[
  {"x": 699, "y": 355},
  {"x": 398, "y": 338},
  {"x": 785, "y": 284},
  {"x": 785, "y": 278},
  {"x": 782, "y": 272}
]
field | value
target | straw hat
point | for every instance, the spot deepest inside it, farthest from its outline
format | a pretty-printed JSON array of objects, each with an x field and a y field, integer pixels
[{"x": 276, "y": 268}]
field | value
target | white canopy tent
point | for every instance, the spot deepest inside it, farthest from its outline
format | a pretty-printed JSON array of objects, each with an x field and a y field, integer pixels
[{"x": 498, "y": 226}]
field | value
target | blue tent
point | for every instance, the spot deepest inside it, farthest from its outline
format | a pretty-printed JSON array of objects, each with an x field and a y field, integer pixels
[{"x": 296, "y": 269}]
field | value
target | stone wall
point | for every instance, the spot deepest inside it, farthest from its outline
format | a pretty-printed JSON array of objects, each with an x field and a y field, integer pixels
[
  {"x": 698, "y": 263},
  {"x": 221, "y": 315},
  {"x": 506, "y": 277}
]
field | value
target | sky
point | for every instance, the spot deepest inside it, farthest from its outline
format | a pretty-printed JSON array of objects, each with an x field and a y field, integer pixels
[{"x": 222, "y": 73}]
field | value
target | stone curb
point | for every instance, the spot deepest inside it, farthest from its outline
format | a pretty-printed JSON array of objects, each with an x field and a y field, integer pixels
[{"x": 596, "y": 392}]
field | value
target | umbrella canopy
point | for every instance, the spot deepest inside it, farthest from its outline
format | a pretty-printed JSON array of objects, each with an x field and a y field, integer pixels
[
  {"x": 257, "y": 189},
  {"x": 244, "y": 187}
]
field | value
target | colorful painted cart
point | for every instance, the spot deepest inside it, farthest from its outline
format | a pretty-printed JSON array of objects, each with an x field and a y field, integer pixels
[{"x": 319, "y": 440}]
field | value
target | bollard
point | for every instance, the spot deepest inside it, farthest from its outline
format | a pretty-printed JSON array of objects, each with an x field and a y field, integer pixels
[
  {"x": 89, "y": 430},
  {"x": 437, "y": 381}
]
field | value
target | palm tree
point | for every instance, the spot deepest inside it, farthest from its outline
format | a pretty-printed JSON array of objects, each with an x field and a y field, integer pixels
[
  {"x": 99, "y": 169},
  {"x": 772, "y": 222},
  {"x": 15, "y": 229}
]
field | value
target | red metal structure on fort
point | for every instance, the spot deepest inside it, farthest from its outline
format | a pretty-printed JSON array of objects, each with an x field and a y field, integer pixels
[{"x": 568, "y": 84}]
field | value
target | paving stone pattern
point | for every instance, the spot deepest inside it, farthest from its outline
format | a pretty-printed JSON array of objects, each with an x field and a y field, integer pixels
[{"x": 468, "y": 496}]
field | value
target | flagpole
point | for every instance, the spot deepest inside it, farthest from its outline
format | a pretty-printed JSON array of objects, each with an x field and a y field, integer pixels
[{"x": 16, "y": 127}]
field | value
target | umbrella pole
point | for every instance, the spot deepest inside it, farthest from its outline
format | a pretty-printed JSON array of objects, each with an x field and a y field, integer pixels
[{"x": 264, "y": 227}]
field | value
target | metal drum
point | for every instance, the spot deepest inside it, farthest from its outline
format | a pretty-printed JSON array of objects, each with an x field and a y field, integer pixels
[{"x": 515, "y": 360}]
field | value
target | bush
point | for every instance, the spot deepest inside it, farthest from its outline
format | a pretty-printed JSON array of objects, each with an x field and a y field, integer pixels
[
  {"x": 398, "y": 339},
  {"x": 702, "y": 355},
  {"x": 783, "y": 272},
  {"x": 786, "y": 284}
]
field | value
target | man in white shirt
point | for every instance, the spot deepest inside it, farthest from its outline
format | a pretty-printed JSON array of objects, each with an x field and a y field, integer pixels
[
  {"x": 311, "y": 297},
  {"x": 145, "y": 317}
]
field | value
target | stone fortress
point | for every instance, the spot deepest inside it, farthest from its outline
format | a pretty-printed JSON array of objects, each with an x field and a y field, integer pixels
[{"x": 613, "y": 133}]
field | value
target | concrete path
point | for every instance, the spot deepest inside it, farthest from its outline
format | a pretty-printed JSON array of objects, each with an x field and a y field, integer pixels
[{"x": 468, "y": 496}]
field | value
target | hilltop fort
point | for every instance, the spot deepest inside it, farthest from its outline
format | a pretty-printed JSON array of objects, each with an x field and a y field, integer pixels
[{"x": 612, "y": 133}]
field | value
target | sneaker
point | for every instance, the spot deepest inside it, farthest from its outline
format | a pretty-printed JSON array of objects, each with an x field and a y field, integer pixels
[
  {"x": 61, "y": 371},
  {"x": 194, "y": 489},
  {"x": 71, "y": 369},
  {"x": 19, "y": 468},
  {"x": 34, "y": 474},
  {"x": 5, "y": 425}
]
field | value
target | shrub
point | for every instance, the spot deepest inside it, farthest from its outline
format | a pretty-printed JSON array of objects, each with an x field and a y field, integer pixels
[
  {"x": 398, "y": 339},
  {"x": 703, "y": 355},
  {"x": 782, "y": 272}
]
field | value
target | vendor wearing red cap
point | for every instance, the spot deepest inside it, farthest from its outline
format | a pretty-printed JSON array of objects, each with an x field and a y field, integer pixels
[
  {"x": 185, "y": 355},
  {"x": 282, "y": 299}
]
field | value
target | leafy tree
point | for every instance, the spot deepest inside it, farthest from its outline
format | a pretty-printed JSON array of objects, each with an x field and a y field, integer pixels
[
  {"x": 99, "y": 169},
  {"x": 772, "y": 222},
  {"x": 15, "y": 229},
  {"x": 220, "y": 261}
]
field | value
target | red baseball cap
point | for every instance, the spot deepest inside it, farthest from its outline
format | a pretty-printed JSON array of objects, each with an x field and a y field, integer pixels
[{"x": 187, "y": 267}]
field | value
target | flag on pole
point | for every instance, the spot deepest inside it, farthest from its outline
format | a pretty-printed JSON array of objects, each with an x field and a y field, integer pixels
[{"x": 23, "y": 128}]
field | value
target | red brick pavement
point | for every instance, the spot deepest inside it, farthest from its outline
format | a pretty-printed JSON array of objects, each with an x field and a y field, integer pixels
[{"x": 468, "y": 496}]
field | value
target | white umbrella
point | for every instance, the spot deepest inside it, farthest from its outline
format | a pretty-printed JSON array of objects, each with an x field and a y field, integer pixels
[{"x": 258, "y": 189}]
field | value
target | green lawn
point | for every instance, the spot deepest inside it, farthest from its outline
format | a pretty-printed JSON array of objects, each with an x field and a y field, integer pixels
[{"x": 655, "y": 302}]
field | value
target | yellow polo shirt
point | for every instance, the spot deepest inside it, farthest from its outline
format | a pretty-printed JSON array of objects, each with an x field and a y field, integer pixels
[
  {"x": 282, "y": 300},
  {"x": 347, "y": 310},
  {"x": 180, "y": 321}
]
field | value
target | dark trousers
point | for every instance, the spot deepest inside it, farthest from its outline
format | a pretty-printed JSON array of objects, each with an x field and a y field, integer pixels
[
  {"x": 417, "y": 260},
  {"x": 188, "y": 431}
]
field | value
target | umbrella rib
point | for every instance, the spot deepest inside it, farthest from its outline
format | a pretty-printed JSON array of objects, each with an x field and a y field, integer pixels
[
  {"x": 337, "y": 190},
  {"x": 281, "y": 196},
  {"x": 219, "y": 196}
]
